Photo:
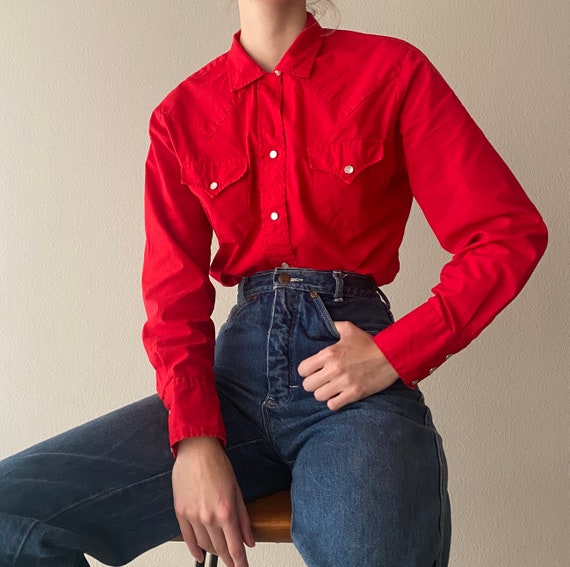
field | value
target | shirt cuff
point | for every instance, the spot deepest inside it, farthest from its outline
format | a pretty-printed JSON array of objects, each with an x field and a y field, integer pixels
[
  {"x": 194, "y": 411},
  {"x": 416, "y": 344}
]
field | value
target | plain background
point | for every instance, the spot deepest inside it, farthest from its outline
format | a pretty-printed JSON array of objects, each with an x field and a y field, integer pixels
[{"x": 78, "y": 81}]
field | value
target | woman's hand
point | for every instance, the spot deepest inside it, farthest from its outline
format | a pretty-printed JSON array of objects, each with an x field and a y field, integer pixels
[
  {"x": 208, "y": 502},
  {"x": 348, "y": 371}
]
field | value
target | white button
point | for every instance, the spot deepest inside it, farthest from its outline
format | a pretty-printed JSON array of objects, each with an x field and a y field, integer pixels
[
  {"x": 348, "y": 169},
  {"x": 432, "y": 370},
  {"x": 285, "y": 265},
  {"x": 273, "y": 154},
  {"x": 213, "y": 185},
  {"x": 447, "y": 356},
  {"x": 414, "y": 382},
  {"x": 274, "y": 216},
  {"x": 277, "y": 72}
]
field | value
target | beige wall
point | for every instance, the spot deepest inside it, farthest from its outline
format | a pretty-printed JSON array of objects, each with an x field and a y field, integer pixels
[{"x": 78, "y": 81}]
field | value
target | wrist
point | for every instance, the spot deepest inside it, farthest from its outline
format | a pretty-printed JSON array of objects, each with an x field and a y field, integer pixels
[{"x": 195, "y": 444}]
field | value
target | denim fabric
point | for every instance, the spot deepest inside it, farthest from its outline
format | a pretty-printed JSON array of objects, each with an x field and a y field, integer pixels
[{"x": 368, "y": 482}]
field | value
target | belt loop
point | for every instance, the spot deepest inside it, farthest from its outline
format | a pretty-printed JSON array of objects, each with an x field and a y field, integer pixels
[
  {"x": 339, "y": 281},
  {"x": 241, "y": 290},
  {"x": 386, "y": 302}
]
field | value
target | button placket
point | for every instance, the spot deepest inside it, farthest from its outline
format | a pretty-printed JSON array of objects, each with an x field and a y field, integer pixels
[{"x": 273, "y": 199}]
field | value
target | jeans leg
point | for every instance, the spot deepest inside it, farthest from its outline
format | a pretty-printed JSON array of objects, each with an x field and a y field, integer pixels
[
  {"x": 370, "y": 486},
  {"x": 369, "y": 480},
  {"x": 102, "y": 488}
]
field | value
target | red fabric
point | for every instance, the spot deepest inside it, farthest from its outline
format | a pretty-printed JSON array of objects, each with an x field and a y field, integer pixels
[{"x": 316, "y": 165}]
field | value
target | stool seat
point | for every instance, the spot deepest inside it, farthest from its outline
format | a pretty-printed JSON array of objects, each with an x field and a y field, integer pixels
[{"x": 270, "y": 518}]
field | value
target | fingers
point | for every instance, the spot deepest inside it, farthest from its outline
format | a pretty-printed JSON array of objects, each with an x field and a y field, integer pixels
[
  {"x": 190, "y": 540},
  {"x": 225, "y": 541},
  {"x": 312, "y": 364},
  {"x": 315, "y": 381},
  {"x": 318, "y": 361},
  {"x": 344, "y": 398},
  {"x": 336, "y": 391},
  {"x": 327, "y": 391},
  {"x": 347, "y": 371},
  {"x": 235, "y": 549},
  {"x": 207, "y": 502},
  {"x": 245, "y": 523},
  {"x": 220, "y": 545}
]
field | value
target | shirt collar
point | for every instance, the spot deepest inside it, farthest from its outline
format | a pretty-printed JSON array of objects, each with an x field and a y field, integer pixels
[{"x": 298, "y": 60}]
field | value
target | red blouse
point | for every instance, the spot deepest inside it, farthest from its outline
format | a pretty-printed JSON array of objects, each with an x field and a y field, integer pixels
[{"x": 315, "y": 164}]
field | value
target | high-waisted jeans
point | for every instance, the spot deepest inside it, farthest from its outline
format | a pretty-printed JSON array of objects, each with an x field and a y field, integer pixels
[{"x": 368, "y": 482}]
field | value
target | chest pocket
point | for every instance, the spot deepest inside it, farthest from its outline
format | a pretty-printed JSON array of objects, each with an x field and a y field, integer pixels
[
  {"x": 348, "y": 179},
  {"x": 348, "y": 161},
  {"x": 224, "y": 189}
]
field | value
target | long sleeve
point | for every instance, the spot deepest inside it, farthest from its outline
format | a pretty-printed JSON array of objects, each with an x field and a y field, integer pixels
[
  {"x": 178, "y": 295},
  {"x": 478, "y": 212}
]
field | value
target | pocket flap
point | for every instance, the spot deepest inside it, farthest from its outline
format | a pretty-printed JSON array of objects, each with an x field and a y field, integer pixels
[
  {"x": 346, "y": 159},
  {"x": 213, "y": 176}
]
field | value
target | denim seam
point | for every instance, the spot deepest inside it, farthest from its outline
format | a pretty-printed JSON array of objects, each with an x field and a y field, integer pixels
[
  {"x": 268, "y": 342},
  {"x": 442, "y": 481},
  {"x": 328, "y": 320},
  {"x": 292, "y": 326},
  {"x": 85, "y": 501},
  {"x": 239, "y": 445},
  {"x": 325, "y": 290},
  {"x": 260, "y": 431},
  {"x": 265, "y": 416},
  {"x": 24, "y": 539},
  {"x": 108, "y": 493}
]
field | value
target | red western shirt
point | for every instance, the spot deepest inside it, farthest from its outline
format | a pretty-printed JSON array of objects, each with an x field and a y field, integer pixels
[{"x": 315, "y": 164}]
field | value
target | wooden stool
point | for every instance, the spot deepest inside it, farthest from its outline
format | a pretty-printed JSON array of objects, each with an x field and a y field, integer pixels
[{"x": 270, "y": 520}]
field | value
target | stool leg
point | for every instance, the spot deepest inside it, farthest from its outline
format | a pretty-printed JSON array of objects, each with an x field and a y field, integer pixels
[
  {"x": 202, "y": 563},
  {"x": 209, "y": 561}
]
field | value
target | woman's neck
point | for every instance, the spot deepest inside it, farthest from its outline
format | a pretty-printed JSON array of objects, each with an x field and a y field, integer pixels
[{"x": 269, "y": 27}]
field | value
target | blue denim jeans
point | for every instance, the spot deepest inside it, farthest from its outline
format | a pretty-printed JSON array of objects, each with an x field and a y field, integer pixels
[{"x": 368, "y": 481}]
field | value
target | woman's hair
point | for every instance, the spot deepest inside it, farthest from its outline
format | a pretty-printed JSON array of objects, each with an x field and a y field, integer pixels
[{"x": 319, "y": 7}]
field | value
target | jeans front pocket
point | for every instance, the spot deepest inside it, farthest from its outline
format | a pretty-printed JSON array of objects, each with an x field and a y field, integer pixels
[
  {"x": 368, "y": 313},
  {"x": 241, "y": 305},
  {"x": 324, "y": 314}
]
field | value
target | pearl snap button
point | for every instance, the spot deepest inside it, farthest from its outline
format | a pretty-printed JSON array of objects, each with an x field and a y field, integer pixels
[
  {"x": 273, "y": 154},
  {"x": 348, "y": 169},
  {"x": 274, "y": 216},
  {"x": 213, "y": 185},
  {"x": 277, "y": 72},
  {"x": 414, "y": 382}
]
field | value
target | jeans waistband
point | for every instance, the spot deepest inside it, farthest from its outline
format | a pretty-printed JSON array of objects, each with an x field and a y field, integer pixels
[{"x": 337, "y": 283}]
